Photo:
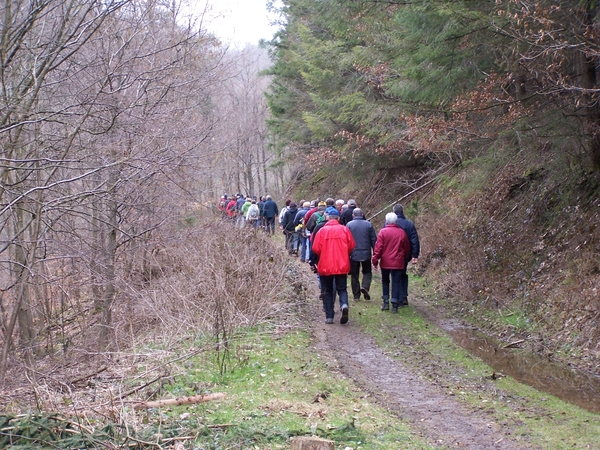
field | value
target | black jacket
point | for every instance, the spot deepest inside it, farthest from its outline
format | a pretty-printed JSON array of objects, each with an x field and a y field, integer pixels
[{"x": 288, "y": 219}]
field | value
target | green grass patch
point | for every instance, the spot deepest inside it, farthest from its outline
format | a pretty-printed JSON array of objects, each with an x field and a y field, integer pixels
[{"x": 277, "y": 387}]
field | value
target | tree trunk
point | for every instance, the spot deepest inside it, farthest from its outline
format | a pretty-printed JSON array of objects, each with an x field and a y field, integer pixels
[
  {"x": 590, "y": 81},
  {"x": 110, "y": 254}
]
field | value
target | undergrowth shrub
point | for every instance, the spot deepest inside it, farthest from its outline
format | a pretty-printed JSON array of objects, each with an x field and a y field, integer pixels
[
  {"x": 212, "y": 273},
  {"x": 209, "y": 282},
  {"x": 525, "y": 241}
]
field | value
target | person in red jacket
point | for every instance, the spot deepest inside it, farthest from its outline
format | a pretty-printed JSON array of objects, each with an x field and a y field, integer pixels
[
  {"x": 333, "y": 245},
  {"x": 391, "y": 251},
  {"x": 231, "y": 209}
]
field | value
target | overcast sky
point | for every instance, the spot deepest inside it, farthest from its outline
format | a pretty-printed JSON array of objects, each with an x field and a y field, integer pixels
[{"x": 239, "y": 21}]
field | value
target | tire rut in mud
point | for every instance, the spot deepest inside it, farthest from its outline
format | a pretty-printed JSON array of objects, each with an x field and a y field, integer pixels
[{"x": 434, "y": 414}]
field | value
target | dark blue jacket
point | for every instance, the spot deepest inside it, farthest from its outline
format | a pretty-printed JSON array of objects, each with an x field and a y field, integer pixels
[
  {"x": 239, "y": 203},
  {"x": 270, "y": 209},
  {"x": 365, "y": 237},
  {"x": 411, "y": 232},
  {"x": 300, "y": 215}
]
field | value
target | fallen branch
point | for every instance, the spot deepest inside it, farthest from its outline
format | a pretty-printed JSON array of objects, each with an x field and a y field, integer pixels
[
  {"x": 180, "y": 401},
  {"x": 85, "y": 377},
  {"x": 139, "y": 388},
  {"x": 512, "y": 344}
]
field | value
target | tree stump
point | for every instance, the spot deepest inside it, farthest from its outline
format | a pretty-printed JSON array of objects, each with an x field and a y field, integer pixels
[{"x": 311, "y": 443}]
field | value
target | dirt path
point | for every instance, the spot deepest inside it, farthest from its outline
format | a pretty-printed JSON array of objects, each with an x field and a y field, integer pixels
[{"x": 433, "y": 413}]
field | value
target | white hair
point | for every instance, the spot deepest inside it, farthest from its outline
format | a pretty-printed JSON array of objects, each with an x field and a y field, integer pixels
[{"x": 391, "y": 218}]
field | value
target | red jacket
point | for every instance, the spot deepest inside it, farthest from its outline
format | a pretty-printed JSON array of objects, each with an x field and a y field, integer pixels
[
  {"x": 231, "y": 208},
  {"x": 333, "y": 243},
  {"x": 391, "y": 248}
]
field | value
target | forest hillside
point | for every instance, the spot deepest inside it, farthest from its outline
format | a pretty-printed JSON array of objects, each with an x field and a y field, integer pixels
[{"x": 482, "y": 118}]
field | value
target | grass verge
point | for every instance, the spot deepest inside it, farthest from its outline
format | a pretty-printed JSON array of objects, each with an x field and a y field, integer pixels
[{"x": 540, "y": 419}]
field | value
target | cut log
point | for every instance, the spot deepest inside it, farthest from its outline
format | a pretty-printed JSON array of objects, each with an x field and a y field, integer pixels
[
  {"x": 180, "y": 401},
  {"x": 311, "y": 443}
]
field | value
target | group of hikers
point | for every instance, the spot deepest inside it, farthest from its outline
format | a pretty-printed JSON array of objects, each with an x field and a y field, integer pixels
[{"x": 334, "y": 237}]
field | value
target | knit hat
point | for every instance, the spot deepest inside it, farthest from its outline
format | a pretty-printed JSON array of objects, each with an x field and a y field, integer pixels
[{"x": 331, "y": 211}]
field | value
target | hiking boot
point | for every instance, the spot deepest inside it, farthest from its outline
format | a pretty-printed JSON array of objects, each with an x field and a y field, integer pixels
[
  {"x": 385, "y": 306},
  {"x": 365, "y": 293},
  {"x": 394, "y": 308},
  {"x": 329, "y": 320},
  {"x": 344, "y": 318},
  {"x": 404, "y": 301}
]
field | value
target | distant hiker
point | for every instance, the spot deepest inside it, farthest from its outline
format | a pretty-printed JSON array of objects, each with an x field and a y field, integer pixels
[
  {"x": 230, "y": 209},
  {"x": 238, "y": 207},
  {"x": 306, "y": 232},
  {"x": 346, "y": 216},
  {"x": 365, "y": 238},
  {"x": 253, "y": 215},
  {"x": 223, "y": 206},
  {"x": 287, "y": 225},
  {"x": 299, "y": 228},
  {"x": 282, "y": 212},
  {"x": 333, "y": 244},
  {"x": 415, "y": 247},
  {"x": 261, "y": 205},
  {"x": 244, "y": 211},
  {"x": 391, "y": 249},
  {"x": 270, "y": 211},
  {"x": 317, "y": 216}
]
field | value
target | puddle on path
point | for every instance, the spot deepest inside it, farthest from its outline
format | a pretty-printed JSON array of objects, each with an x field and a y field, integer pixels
[{"x": 564, "y": 382}]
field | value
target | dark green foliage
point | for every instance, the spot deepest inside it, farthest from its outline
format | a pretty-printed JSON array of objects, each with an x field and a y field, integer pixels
[
  {"x": 346, "y": 69},
  {"x": 52, "y": 431}
]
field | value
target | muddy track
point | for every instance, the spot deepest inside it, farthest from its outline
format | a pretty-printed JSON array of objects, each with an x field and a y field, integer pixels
[{"x": 434, "y": 414}]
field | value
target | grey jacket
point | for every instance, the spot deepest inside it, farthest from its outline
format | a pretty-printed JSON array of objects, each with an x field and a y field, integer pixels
[{"x": 365, "y": 237}]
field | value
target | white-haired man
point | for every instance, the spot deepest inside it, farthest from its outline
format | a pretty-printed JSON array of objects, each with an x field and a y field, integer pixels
[{"x": 390, "y": 252}]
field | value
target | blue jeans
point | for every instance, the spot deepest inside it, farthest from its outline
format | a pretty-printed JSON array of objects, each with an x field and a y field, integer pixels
[
  {"x": 395, "y": 275},
  {"x": 296, "y": 245},
  {"x": 307, "y": 246},
  {"x": 327, "y": 286}
]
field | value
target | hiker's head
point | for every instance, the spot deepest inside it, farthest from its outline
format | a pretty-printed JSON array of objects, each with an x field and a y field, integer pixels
[{"x": 332, "y": 213}]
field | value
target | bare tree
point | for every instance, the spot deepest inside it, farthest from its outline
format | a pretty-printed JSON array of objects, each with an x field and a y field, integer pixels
[
  {"x": 242, "y": 157},
  {"x": 105, "y": 112},
  {"x": 37, "y": 39}
]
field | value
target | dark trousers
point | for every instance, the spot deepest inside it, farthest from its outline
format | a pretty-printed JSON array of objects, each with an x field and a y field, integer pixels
[
  {"x": 328, "y": 284},
  {"x": 404, "y": 284},
  {"x": 367, "y": 272},
  {"x": 289, "y": 240},
  {"x": 270, "y": 224},
  {"x": 394, "y": 275}
]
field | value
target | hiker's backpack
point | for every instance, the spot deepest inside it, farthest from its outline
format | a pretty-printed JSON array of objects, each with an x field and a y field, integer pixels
[
  {"x": 320, "y": 218},
  {"x": 253, "y": 212}
]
